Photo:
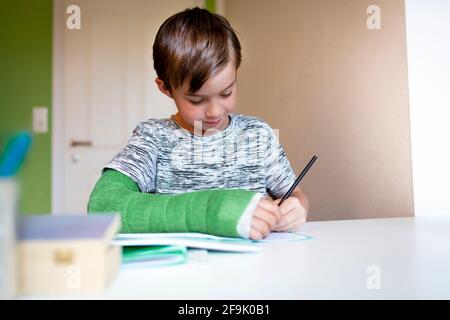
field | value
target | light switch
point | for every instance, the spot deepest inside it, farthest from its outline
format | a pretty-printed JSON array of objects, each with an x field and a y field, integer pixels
[{"x": 40, "y": 119}]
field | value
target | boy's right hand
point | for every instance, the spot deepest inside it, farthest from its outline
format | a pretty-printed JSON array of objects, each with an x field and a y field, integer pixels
[{"x": 266, "y": 216}]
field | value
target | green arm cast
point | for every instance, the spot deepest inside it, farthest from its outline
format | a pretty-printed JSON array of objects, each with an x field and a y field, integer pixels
[{"x": 207, "y": 211}]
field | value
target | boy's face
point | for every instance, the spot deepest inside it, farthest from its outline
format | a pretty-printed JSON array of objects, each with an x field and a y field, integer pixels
[{"x": 212, "y": 102}]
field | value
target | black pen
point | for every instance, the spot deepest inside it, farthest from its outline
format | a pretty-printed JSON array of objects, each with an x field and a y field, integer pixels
[{"x": 297, "y": 181}]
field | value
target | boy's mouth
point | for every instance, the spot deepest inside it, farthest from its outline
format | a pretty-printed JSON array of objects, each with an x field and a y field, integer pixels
[{"x": 212, "y": 123}]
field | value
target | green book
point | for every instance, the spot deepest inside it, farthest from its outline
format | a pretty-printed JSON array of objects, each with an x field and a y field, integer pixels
[{"x": 149, "y": 256}]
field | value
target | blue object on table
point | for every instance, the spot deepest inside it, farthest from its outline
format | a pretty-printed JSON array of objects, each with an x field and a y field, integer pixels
[{"x": 14, "y": 154}]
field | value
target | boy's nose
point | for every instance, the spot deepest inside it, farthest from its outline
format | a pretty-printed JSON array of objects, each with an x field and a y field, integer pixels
[{"x": 214, "y": 111}]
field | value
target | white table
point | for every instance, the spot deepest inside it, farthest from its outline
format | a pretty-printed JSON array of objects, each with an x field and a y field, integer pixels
[{"x": 411, "y": 256}]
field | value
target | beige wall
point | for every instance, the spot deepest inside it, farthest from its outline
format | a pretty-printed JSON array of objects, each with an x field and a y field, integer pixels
[{"x": 333, "y": 88}]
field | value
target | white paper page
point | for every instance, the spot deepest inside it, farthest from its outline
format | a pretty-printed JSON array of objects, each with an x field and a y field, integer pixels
[{"x": 272, "y": 237}]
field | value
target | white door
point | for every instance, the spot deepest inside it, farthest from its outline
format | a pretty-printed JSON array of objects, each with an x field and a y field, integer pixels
[{"x": 108, "y": 86}]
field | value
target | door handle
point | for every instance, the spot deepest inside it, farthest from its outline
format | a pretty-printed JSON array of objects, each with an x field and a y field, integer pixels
[{"x": 80, "y": 143}]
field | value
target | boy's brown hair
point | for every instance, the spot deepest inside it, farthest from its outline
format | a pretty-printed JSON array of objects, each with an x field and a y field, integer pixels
[{"x": 192, "y": 46}]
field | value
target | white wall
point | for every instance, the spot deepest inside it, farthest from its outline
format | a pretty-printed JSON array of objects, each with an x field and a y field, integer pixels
[{"x": 428, "y": 45}]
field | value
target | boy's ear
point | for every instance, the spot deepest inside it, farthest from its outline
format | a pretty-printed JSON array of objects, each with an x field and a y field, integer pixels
[{"x": 162, "y": 87}]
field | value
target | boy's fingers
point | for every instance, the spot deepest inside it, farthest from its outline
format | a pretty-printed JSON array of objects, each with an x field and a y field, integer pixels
[
  {"x": 283, "y": 224},
  {"x": 279, "y": 229},
  {"x": 271, "y": 207},
  {"x": 295, "y": 225},
  {"x": 289, "y": 204},
  {"x": 284, "y": 228},
  {"x": 289, "y": 221},
  {"x": 288, "y": 227},
  {"x": 285, "y": 220},
  {"x": 255, "y": 234},
  {"x": 267, "y": 217},
  {"x": 261, "y": 226}
]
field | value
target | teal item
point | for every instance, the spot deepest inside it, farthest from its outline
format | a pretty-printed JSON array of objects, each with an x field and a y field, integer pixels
[
  {"x": 216, "y": 211},
  {"x": 154, "y": 255},
  {"x": 14, "y": 153}
]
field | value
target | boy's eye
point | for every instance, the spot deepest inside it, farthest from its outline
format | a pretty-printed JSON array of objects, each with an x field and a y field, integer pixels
[{"x": 196, "y": 101}]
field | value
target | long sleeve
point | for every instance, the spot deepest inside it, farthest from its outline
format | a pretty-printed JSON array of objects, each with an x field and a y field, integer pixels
[
  {"x": 216, "y": 211},
  {"x": 279, "y": 173}
]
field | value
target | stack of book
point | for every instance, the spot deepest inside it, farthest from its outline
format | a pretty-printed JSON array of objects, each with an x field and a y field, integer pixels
[{"x": 67, "y": 253}]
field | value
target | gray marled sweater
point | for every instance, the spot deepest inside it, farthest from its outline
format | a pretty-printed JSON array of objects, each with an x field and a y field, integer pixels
[{"x": 162, "y": 157}]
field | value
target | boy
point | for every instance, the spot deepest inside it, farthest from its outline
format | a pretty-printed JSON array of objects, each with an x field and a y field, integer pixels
[{"x": 206, "y": 169}]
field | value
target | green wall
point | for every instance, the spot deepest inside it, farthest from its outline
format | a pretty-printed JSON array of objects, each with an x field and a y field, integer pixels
[
  {"x": 25, "y": 81},
  {"x": 211, "y": 5}
]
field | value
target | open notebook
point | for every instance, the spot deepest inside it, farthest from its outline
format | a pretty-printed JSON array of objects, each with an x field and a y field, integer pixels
[{"x": 203, "y": 241}]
